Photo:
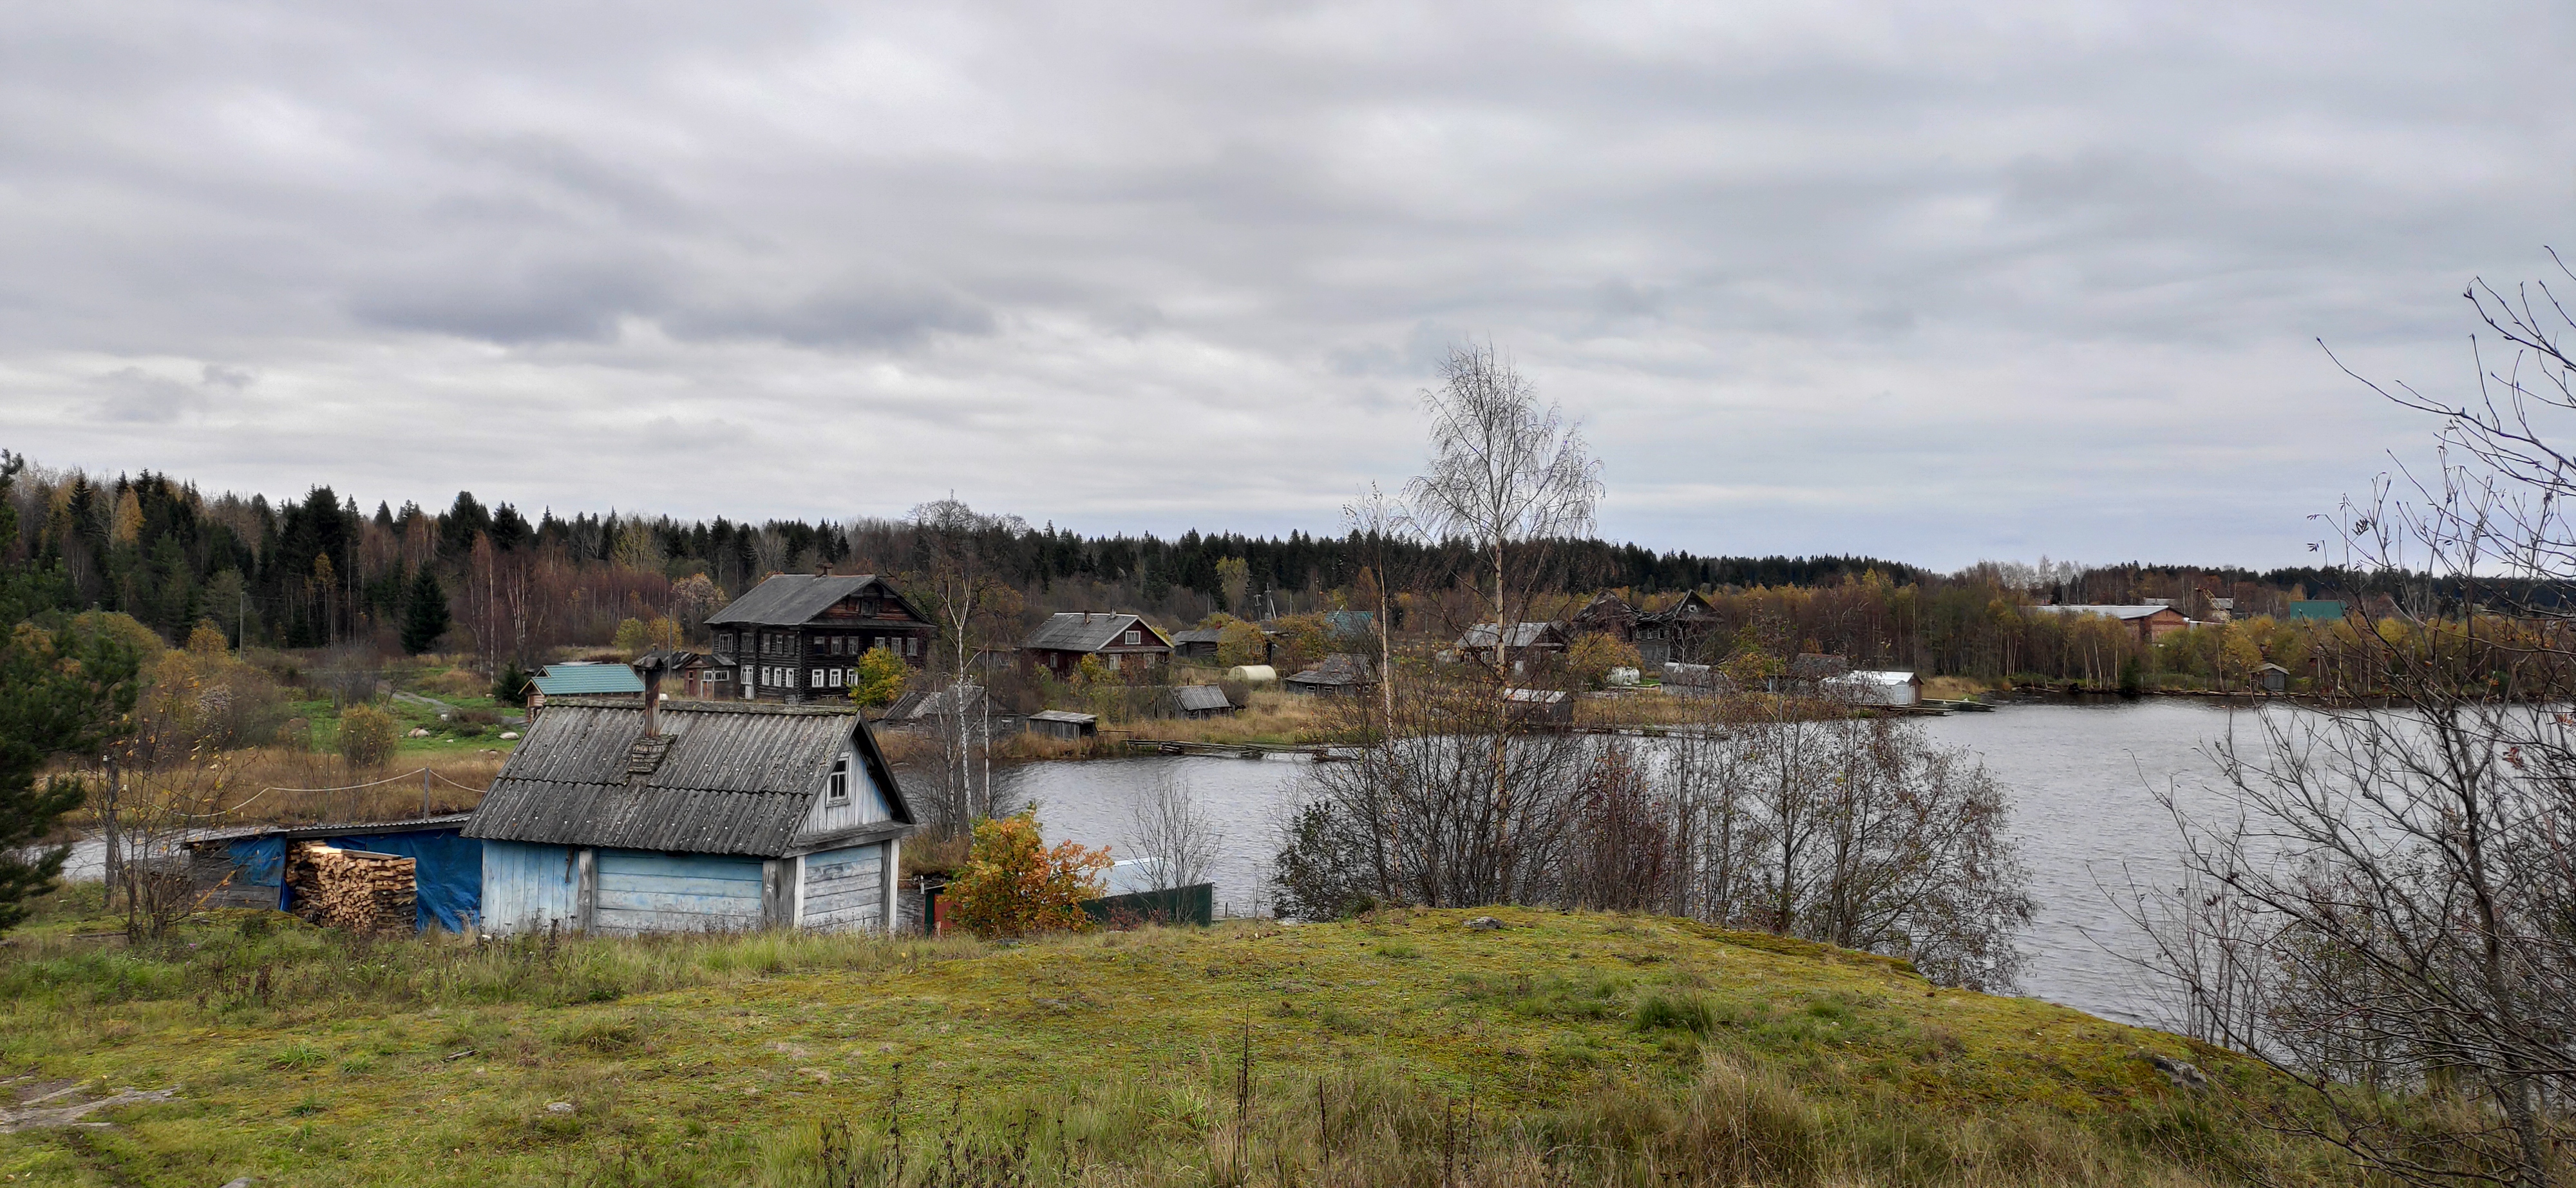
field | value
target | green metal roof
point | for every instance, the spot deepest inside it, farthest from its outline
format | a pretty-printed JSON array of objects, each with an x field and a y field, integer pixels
[
  {"x": 2324, "y": 608},
  {"x": 563, "y": 680}
]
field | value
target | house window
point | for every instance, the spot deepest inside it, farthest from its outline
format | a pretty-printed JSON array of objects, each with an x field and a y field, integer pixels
[
  {"x": 818, "y": 679},
  {"x": 718, "y": 676},
  {"x": 912, "y": 646},
  {"x": 1134, "y": 638},
  {"x": 839, "y": 788}
]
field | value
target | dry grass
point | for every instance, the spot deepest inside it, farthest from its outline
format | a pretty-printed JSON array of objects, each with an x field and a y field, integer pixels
[
  {"x": 1274, "y": 716},
  {"x": 267, "y": 787},
  {"x": 1952, "y": 688}
]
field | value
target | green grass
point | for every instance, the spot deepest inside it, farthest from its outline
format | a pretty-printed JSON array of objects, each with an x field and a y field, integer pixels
[{"x": 1403, "y": 1049}]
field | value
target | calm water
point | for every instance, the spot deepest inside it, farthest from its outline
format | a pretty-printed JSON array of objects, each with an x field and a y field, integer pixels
[{"x": 2082, "y": 780}]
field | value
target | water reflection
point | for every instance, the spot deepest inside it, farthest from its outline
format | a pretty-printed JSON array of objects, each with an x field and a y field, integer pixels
[{"x": 2082, "y": 777}]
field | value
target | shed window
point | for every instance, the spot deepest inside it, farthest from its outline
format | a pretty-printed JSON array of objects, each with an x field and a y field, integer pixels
[{"x": 839, "y": 789}]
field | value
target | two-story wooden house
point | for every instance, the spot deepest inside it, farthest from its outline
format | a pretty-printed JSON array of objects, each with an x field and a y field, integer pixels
[{"x": 796, "y": 636}]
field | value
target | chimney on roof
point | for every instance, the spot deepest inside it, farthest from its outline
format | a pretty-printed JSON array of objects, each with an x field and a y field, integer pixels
[
  {"x": 650, "y": 666},
  {"x": 822, "y": 569}
]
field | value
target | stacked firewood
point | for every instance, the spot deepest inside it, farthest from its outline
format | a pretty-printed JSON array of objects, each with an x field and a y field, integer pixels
[{"x": 353, "y": 889}]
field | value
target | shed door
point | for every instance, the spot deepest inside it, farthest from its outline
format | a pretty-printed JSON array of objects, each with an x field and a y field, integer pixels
[{"x": 647, "y": 892}]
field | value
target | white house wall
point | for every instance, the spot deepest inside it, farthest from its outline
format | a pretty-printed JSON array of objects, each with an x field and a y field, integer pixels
[
  {"x": 845, "y": 890},
  {"x": 866, "y": 805}
]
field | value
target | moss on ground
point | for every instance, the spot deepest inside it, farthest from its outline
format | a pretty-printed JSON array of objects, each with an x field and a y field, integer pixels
[{"x": 307, "y": 1059}]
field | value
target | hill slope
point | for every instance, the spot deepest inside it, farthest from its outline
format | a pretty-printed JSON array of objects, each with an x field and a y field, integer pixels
[{"x": 1408, "y": 1048}]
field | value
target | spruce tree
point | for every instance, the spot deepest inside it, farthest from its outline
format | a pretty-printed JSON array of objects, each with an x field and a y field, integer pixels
[
  {"x": 61, "y": 693},
  {"x": 424, "y": 615}
]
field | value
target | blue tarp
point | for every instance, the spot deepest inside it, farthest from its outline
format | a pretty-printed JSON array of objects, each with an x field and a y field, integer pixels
[
  {"x": 262, "y": 861},
  {"x": 447, "y": 870}
]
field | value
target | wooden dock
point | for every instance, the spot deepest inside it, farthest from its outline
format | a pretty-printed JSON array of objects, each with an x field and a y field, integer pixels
[{"x": 1235, "y": 750}]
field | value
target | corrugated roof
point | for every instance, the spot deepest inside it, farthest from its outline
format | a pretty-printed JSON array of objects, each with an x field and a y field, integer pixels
[
  {"x": 1523, "y": 635},
  {"x": 735, "y": 778},
  {"x": 573, "y": 680},
  {"x": 934, "y": 703},
  {"x": 1085, "y": 631},
  {"x": 2138, "y": 611},
  {"x": 789, "y": 599},
  {"x": 1338, "y": 669},
  {"x": 1199, "y": 698},
  {"x": 1063, "y": 716}
]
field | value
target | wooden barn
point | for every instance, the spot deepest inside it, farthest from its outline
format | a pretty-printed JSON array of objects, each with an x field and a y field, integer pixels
[
  {"x": 1341, "y": 672},
  {"x": 688, "y": 817},
  {"x": 1677, "y": 632},
  {"x": 1123, "y": 642},
  {"x": 796, "y": 636}
]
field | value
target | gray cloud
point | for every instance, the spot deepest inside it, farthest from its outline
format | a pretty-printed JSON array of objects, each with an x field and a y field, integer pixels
[{"x": 1925, "y": 282}]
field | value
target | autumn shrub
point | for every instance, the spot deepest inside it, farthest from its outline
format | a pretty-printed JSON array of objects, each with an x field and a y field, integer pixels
[
  {"x": 367, "y": 736},
  {"x": 1015, "y": 885},
  {"x": 878, "y": 678}
]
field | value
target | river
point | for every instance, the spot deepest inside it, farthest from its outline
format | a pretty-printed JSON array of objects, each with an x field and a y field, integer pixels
[{"x": 2082, "y": 781}]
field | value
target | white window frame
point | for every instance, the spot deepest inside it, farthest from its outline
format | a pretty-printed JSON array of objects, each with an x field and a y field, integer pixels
[
  {"x": 836, "y": 786},
  {"x": 1135, "y": 638}
]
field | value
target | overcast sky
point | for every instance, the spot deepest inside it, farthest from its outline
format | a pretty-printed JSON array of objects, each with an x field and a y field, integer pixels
[{"x": 1816, "y": 277}]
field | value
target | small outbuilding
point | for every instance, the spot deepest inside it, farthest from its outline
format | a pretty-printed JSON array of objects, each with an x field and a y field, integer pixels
[
  {"x": 2275, "y": 679},
  {"x": 1867, "y": 687},
  {"x": 581, "y": 678},
  {"x": 1540, "y": 707},
  {"x": 620, "y": 818},
  {"x": 1341, "y": 672},
  {"x": 1198, "y": 701},
  {"x": 265, "y": 866},
  {"x": 1064, "y": 724},
  {"x": 1198, "y": 643}
]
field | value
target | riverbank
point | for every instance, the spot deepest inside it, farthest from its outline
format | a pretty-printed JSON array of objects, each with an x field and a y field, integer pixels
[{"x": 1412, "y": 1047}]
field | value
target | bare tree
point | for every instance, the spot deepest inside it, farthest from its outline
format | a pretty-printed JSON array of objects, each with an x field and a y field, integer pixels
[
  {"x": 960, "y": 583},
  {"x": 1168, "y": 829},
  {"x": 2389, "y": 909}
]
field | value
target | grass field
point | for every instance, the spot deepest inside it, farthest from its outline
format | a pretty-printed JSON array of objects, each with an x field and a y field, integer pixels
[{"x": 1403, "y": 1049}]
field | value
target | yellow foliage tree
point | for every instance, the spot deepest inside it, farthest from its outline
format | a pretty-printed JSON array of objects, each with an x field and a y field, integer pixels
[
  {"x": 1014, "y": 885},
  {"x": 1594, "y": 654},
  {"x": 368, "y": 736},
  {"x": 878, "y": 679}
]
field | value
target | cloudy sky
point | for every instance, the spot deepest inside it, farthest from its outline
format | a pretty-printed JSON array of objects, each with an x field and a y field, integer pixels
[{"x": 1899, "y": 279}]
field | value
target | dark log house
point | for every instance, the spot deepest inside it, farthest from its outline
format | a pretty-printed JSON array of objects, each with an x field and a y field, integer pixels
[{"x": 795, "y": 637}]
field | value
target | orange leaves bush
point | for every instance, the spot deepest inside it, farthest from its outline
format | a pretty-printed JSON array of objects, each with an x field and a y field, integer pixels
[{"x": 1014, "y": 884}]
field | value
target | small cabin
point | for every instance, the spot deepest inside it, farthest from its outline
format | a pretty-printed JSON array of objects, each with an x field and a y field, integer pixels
[
  {"x": 1871, "y": 687},
  {"x": 1124, "y": 643},
  {"x": 2274, "y": 678},
  {"x": 618, "y": 818},
  {"x": 1064, "y": 724},
  {"x": 1198, "y": 643},
  {"x": 1197, "y": 701},
  {"x": 1341, "y": 672}
]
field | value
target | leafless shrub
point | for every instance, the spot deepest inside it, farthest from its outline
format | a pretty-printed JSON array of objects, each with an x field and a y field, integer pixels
[{"x": 1179, "y": 841}]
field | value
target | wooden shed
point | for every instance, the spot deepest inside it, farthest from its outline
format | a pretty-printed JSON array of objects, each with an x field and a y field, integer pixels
[
  {"x": 691, "y": 817},
  {"x": 1063, "y": 724},
  {"x": 1197, "y": 701}
]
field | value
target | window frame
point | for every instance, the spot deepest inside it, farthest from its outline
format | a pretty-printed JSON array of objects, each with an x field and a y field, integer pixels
[{"x": 836, "y": 786}]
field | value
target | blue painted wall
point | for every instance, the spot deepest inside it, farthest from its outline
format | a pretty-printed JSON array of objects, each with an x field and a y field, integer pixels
[
  {"x": 527, "y": 887},
  {"x": 641, "y": 891}
]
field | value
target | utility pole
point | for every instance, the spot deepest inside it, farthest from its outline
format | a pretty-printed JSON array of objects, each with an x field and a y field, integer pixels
[{"x": 112, "y": 866}]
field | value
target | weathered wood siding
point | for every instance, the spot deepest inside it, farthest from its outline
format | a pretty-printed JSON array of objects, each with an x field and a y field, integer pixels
[
  {"x": 845, "y": 889},
  {"x": 866, "y": 806},
  {"x": 641, "y": 891},
  {"x": 528, "y": 887}
]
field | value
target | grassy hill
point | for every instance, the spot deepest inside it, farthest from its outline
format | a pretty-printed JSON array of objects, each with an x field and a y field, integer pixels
[{"x": 1403, "y": 1049}]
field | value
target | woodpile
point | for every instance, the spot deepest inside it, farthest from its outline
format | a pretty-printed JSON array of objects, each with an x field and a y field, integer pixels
[{"x": 352, "y": 889}]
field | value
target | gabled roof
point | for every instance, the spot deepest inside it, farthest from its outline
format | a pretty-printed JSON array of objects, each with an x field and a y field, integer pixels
[
  {"x": 1199, "y": 635},
  {"x": 1086, "y": 631},
  {"x": 1338, "y": 670},
  {"x": 1523, "y": 635},
  {"x": 573, "y": 680},
  {"x": 1691, "y": 605},
  {"x": 1605, "y": 605},
  {"x": 933, "y": 703},
  {"x": 793, "y": 599},
  {"x": 1193, "y": 699},
  {"x": 730, "y": 778}
]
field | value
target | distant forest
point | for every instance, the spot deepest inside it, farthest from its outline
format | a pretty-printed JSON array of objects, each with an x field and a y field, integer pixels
[{"x": 324, "y": 570}]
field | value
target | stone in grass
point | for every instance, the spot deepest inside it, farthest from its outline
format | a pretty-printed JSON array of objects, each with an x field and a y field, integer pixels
[
  {"x": 559, "y": 1107},
  {"x": 2183, "y": 1073},
  {"x": 509, "y": 735},
  {"x": 1484, "y": 923},
  {"x": 419, "y": 732}
]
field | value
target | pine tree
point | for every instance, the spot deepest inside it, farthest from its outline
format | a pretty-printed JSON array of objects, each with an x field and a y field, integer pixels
[
  {"x": 425, "y": 615},
  {"x": 60, "y": 694}
]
